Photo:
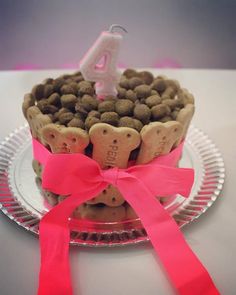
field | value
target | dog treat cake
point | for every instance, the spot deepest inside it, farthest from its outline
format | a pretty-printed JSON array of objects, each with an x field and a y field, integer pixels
[{"x": 148, "y": 118}]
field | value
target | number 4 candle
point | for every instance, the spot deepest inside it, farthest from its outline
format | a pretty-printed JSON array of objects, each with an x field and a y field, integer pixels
[{"x": 100, "y": 62}]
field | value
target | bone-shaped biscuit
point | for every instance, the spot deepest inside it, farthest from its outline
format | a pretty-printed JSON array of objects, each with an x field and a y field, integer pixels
[
  {"x": 51, "y": 198},
  {"x": 65, "y": 139},
  {"x": 29, "y": 101},
  {"x": 184, "y": 117},
  {"x": 108, "y": 214},
  {"x": 109, "y": 196},
  {"x": 37, "y": 121},
  {"x": 130, "y": 213},
  {"x": 112, "y": 145},
  {"x": 187, "y": 97},
  {"x": 38, "y": 168},
  {"x": 158, "y": 139}
]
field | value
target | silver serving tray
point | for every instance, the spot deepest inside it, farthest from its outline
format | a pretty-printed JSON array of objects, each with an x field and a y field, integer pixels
[{"x": 22, "y": 201}]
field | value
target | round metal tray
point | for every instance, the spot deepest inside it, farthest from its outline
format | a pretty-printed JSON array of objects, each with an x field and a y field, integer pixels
[{"x": 22, "y": 201}]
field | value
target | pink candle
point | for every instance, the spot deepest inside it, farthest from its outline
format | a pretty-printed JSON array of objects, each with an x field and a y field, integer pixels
[{"x": 100, "y": 62}]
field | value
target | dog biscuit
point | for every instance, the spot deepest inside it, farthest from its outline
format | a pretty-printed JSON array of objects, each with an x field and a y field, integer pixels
[
  {"x": 184, "y": 117},
  {"x": 37, "y": 168},
  {"x": 29, "y": 101},
  {"x": 109, "y": 196},
  {"x": 51, "y": 198},
  {"x": 158, "y": 139},
  {"x": 112, "y": 145},
  {"x": 107, "y": 214},
  {"x": 37, "y": 121},
  {"x": 65, "y": 139}
]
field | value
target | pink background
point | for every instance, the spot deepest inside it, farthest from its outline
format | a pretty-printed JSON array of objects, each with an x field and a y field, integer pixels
[{"x": 170, "y": 33}]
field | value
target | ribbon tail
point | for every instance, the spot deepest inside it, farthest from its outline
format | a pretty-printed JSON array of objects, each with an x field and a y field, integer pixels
[
  {"x": 185, "y": 271},
  {"x": 54, "y": 278}
]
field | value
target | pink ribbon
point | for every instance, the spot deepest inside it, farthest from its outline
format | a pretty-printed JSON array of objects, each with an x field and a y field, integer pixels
[{"x": 80, "y": 178}]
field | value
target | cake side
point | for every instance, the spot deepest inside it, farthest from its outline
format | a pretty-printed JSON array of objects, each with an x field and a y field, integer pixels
[{"x": 149, "y": 117}]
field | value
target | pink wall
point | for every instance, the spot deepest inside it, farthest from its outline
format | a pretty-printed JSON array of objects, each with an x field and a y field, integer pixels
[{"x": 174, "y": 33}]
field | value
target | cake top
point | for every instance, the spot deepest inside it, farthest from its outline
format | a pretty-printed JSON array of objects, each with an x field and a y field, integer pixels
[{"x": 142, "y": 98}]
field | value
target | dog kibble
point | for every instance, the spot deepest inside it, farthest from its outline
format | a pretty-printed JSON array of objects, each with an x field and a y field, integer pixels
[
  {"x": 48, "y": 81},
  {"x": 49, "y": 109},
  {"x": 76, "y": 122},
  {"x": 154, "y": 92},
  {"x": 61, "y": 111},
  {"x": 78, "y": 78},
  {"x": 81, "y": 110},
  {"x": 146, "y": 77},
  {"x": 106, "y": 106},
  {"x": 124, "y": 83},
  {"x": 166, "y": 119},
  {"x": 110, "y": 98},
  {"x": 162, "y": 77},
  {"x": 52, "y": 117},
  {"x": 43, "y": 102},
  {"x": 54, "y": 99},
  {"x": 142, "y": 100},
  {"x": 138, "y": 124},
  {"x": 180, "y": 102},
  {"x": 90, "y": 103},
  {"x": 66, "y": 76},
  {"x": 74, "y": 85},
  {"x": 131, "y": 123},
  {"x": 124, "y": 107},
  {"x": 160, "y": 111},
  {"x": 48, "y": 90},
  {"x": 58, "y": 83},
  {"x": 142, "y": 91},
  {"x": 111, "y": 118},
  {"x": 121, "y": 92},
  {"x": 65, "y": 118},
  {"x": 159, "y": 85},
  {"x": 174, "y": 114},
  {"x": 131, "y": 95},
  {"x": 173, "y": 84},
  {"x": 94, "y": 114},
  {"x": 134, "y": 82},
  {"x": 68, "y": 101},
  {"x": 142, "y": 113},
  {"x": 79, "y": 116},
  {"x": 153, "y": 100},
  {"x": 168, "y": 93},
  {"x": 67, "y": 80},
  {"x": 127, "y": 122},
  {"x": 185, "y": 97},
  {"x": 38, "y": 91},
  {"x": 129, "y": 73},
  {"x": 90, "y": 121},
  {"x": 78, "y": 73},
  {"x": 67, "y": 89},
  {"x": 85, "y": 88},
  {"x": 172, "y": 103}
]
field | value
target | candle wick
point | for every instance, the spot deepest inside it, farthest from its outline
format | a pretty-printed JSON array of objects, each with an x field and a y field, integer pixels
[{"x": 116, "y": 26}]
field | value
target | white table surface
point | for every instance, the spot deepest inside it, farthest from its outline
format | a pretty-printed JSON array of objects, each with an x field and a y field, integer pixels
[{"x": 134, "y": 270}]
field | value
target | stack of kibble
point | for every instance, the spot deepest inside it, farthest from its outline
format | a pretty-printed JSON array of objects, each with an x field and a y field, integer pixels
[{"x": 141, "y": 98}]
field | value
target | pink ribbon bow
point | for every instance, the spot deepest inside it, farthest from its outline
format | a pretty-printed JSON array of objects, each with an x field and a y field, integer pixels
[{"x": 81, "y": 179}]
